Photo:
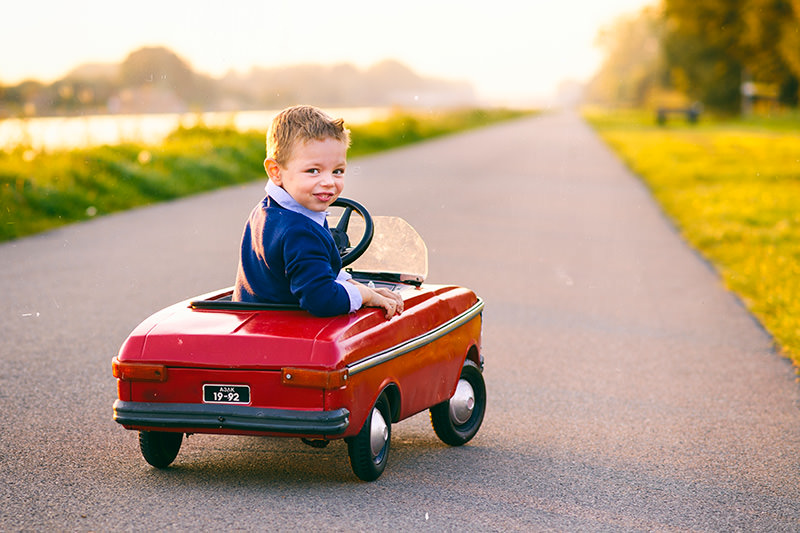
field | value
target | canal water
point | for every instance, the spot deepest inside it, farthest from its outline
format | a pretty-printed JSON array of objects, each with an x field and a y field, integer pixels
[{"x": 49, "y": 133}]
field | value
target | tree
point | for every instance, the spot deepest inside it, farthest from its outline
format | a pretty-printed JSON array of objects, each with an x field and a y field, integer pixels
[
  {"x": 712, "y": 46},
  {"x": 702, "y": 51},
  {"x": 155, "y": 65},
  {"x": 789, "y": 44},
  {"x": 767, "y": 28},
  {"x": 633, "y": 66},
  {"x": 162, "y": 68}
]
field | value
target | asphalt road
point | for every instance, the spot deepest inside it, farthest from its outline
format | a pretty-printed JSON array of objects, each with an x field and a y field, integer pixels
[{"x": 628, "y": 390}]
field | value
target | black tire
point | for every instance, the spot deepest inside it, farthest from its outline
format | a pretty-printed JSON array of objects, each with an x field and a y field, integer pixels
[
  {"x": 368, "y": 463},
  {"x": 160, "y": 448},
  {"x": 457, "y": 428}
]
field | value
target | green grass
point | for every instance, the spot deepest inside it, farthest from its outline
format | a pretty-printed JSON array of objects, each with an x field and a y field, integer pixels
[
  {"x": 406, "y": 128},
  {"x": 43, "y": 190},
  {"x": 733, "y": 189}
]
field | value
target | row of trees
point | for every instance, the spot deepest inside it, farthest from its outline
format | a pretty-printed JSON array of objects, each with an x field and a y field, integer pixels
[
  {"x": 154, "y": 79},
  {"x": 103, "y": 87},
  {"x": 722, "y": 53}
]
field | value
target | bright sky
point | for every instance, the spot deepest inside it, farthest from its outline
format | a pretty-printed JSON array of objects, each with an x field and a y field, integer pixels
[{"x": 508, "y": 49}]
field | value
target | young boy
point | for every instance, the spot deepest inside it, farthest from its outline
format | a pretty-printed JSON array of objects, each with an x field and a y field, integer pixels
[{"x": 287, "y": 253}]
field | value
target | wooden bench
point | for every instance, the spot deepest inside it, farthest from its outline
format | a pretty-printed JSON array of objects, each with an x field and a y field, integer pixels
[{"x": 692, "y": 113}]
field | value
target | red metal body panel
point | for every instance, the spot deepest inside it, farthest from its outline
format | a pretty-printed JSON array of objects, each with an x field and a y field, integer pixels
[
  {"x": 184, "y": 385},
  {"x": 418, "y": 354}
]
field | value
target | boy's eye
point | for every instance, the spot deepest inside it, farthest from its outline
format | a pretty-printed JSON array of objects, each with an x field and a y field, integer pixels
[
  {"x": 313, "y": 171},
  {"x": 338, "y": 172}
]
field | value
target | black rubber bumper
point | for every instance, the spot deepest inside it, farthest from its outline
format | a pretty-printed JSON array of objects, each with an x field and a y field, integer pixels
[{"x": 233, "y": 417}]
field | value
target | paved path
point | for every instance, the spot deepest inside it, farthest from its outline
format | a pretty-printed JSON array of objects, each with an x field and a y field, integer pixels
[{"x": 627, "y": 389}]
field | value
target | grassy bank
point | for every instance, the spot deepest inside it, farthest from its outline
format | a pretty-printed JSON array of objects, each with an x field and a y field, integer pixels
[
  {"x": 733, "y": 189},
  {"x": 43, "y": 190}
]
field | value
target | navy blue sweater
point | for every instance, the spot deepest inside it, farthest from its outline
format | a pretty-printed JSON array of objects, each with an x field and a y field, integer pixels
[{"x": 288, "y": 258}]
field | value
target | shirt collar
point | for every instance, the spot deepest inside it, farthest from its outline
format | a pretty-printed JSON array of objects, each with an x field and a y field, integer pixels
[{"x": 280, "y": 195}]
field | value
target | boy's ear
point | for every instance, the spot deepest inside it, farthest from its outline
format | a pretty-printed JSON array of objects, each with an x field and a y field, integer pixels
[{"x": 273, "y": 170}]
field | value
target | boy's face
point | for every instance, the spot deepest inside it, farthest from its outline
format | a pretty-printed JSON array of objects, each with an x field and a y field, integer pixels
[{"x": 314, "y": 174}]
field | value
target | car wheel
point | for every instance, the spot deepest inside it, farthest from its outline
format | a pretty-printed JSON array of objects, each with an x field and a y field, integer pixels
[
  {"x": 160, "y": 448},
  {"x": 458, "y": 419},
  {"x": 369, "y": 449}
]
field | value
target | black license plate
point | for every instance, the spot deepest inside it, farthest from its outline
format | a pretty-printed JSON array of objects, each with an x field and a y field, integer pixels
[{"x": 226, "y": 394}]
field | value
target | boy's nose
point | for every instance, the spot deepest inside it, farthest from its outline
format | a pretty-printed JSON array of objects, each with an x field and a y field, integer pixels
[{"x": 327, "y": 178}]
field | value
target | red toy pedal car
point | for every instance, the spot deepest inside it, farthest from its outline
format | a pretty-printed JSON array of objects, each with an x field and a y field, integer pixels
[{"x": 210, "y": 365}]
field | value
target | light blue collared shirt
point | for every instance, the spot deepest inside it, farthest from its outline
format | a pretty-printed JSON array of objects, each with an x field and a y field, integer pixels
[{"x": 286, "y": 201}]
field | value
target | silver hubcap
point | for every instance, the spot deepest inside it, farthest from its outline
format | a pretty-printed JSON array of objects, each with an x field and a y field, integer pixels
[
  {"x": 378, "y": 432},
  {"x": 462, "y": 403}
]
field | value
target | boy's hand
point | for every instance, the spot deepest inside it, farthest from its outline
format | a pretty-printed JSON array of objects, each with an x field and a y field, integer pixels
[{"x": 390, "y": 301}]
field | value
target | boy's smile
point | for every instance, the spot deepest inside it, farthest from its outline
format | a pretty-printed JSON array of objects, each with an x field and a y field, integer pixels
[{"x": 314, "y": 174}]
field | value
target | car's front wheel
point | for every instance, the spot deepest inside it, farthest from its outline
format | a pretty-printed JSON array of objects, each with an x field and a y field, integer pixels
[
  {"x": 369, "y": 450},
  {"x": 458, "y": 419},
  {"x": 160, "y": 448}
]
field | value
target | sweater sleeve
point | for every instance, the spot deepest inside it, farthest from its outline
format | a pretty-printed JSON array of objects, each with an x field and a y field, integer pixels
[{"x": 311, "y": 277}]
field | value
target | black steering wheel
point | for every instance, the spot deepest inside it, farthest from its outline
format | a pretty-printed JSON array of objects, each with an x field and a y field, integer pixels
[{"x": 346, "y": 252}]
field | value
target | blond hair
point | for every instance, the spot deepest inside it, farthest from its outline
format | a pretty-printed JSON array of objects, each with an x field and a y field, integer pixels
[{"x": 300, "y": 124}]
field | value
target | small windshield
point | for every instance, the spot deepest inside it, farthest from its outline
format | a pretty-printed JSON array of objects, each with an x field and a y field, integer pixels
[{"x": 396, "y": 248}]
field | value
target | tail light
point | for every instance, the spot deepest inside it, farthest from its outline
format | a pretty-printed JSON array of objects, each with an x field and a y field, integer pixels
[
  {"x": 138, "y": 371},
  {"x": 319, "y": 379}
]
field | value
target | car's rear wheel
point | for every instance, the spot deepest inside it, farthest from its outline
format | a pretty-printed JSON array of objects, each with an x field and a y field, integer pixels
[
  {"x": 160, "y": 448},
  {"x": 369, "y": 450},
  {"x": 458, "y": 419}
]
